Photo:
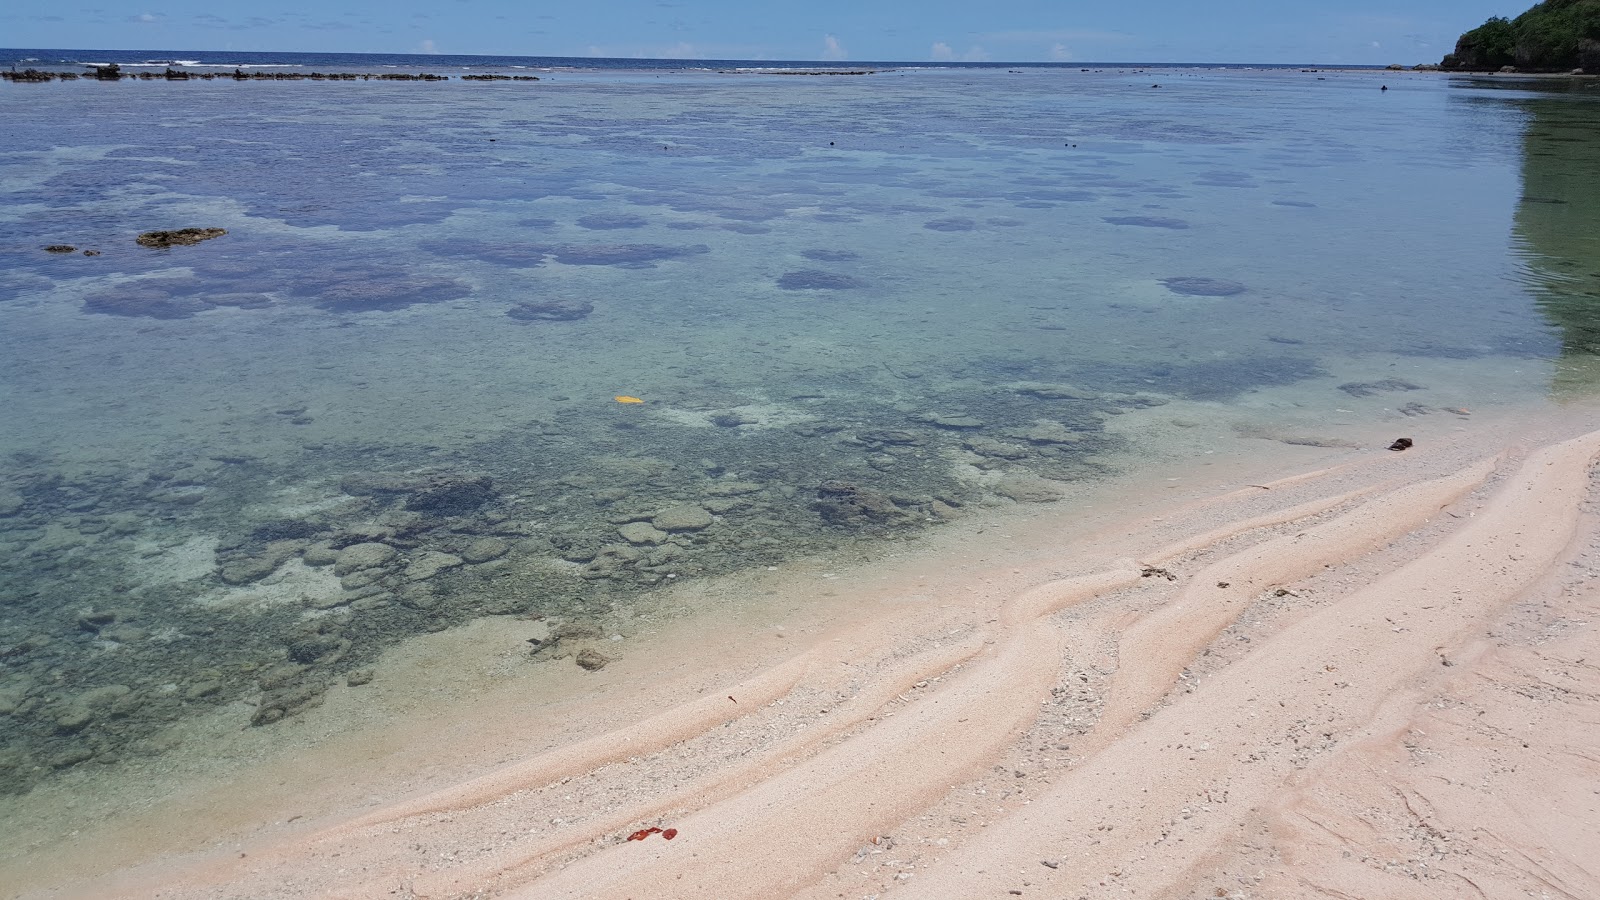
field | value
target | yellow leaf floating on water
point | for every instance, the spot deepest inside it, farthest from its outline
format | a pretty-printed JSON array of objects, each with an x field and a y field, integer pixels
[{"x": 626, "y": 399}]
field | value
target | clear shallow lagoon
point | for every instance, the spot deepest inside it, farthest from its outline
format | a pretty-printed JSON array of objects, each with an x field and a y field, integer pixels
[{"x": 853, "y": 307}]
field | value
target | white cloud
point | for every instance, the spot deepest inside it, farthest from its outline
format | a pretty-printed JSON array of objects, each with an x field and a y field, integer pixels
[
  {"x": 943, "y": 52},
  {"x": 832, "y": 49},
  {"x": 428, "y": 46},
  {"x": 1060, "y": 53},
  {"x": 1376, "y": 45}
]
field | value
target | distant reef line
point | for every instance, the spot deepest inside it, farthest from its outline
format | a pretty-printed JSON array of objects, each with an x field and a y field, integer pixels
[{"x": 114, "y": 72}]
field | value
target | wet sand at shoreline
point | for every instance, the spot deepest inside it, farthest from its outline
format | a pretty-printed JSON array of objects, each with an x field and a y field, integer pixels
[{"x": 1369, "y": 679}]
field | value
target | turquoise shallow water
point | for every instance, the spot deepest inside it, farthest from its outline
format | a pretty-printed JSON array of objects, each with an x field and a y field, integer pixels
[{"x": 853, "y": 307}]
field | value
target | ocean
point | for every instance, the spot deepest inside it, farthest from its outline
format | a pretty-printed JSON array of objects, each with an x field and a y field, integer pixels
[{"x": 548, "y": 350}]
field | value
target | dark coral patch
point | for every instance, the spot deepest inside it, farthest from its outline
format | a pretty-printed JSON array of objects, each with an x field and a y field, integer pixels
[
  {"x": 831, "y": 255},
  {"x": 625, "y": 255},
  {"x": 520, "y": 256},
  {"x": 1148, "y": 222},
  {"x": 363, "y": 288},
  {"x": 611, "y": 223},
  {"x": 1203, "y": 287},
  {"x": 166, "y": 298},
  {"x": 551, "y": 311},
  {"x": 816, "y": 280},
  {"x": 954, "y": 223}
]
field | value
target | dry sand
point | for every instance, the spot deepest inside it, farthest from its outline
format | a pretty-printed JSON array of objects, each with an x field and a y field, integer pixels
[{"x": 1380, "y": 678}]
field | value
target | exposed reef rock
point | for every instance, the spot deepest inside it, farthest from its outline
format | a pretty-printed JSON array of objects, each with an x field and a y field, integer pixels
[{"x": 183, "y": 237}]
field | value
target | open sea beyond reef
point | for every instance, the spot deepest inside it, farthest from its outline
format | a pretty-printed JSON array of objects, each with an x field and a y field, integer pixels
[{"x": 548, "y": 348}]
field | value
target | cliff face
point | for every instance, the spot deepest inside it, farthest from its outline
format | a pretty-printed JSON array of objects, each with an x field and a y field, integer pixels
[{"x": 1554, "y": 36}]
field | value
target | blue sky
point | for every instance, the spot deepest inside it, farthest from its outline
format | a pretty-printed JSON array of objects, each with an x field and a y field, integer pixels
[{"x": 1285, "y": 31}]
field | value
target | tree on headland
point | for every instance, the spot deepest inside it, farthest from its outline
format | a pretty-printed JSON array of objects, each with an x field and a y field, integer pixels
[{"x": 1556, "y": 35}]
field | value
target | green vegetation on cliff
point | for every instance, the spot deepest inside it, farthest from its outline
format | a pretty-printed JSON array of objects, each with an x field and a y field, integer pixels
[{"x": 1556, "y": 35}]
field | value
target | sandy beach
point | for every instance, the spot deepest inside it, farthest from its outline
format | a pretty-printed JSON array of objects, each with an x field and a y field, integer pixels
[{"x": 1324, "y": 673}]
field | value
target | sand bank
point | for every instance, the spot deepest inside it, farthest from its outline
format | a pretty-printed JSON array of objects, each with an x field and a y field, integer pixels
[{"x": 1379, "y": 677}]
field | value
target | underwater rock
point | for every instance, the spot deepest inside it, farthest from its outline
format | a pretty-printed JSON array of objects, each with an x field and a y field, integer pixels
[
  {"x": 183, "y": 237},
  {"x": 684, "y": 517},
  {"x": 591, "y": 659},
  {"x": 733, "y": 420},
  {"x": 451, "y": 495},
  {"x": 830, "y": 255},
  {"x": 1203, "y": 287},
  {"x": 96, "y": 620},
  {"x": 954, "y": 223},
  {"x": 311, "y": 649},
  {"x": 288, "y": 701},
  {"x": 318, "y": 555},
  {"x": 551, "y": 311},
  {"x": 1027, "y": 489},
  {"x": 1057, "y": 392},
  {"x": 359, "y": 677},
  {"x": 642, "y": 533},
  {"x": 243, "y": 568},
  {"x": 358, "y": 557},
  {"x": 438, "y": 493},
  {"x": 1051, "y": 433},
  {"x": 1368, "y": 388},
  {"x": 953, "y": 423},
  {"x": 284, "y": 530},
  {"x": 897, "y": 436},
  {"x": 61, "y": 248},
  {"x": 484, "y": 550},
  {"x": 625, "y": 255},
  {"x": 732, "y": 488},
  {"x": 11, "y": 502},
  {"x": 610, "y": 223},
  {"x": 846, "y": 503},
  {"x": 1148, "y": 222},
  {"x": 817, "y": 280},
  {"x": 429, "y": 563},
  {"x": 997, "y": 449}
]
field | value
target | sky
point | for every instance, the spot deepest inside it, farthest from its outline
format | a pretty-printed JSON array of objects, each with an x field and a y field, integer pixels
[{"x": 1224, "y": 31}]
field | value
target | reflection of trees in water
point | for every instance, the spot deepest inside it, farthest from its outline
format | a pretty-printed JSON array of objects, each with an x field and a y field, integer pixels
[{"x": 1557, "y": 225}]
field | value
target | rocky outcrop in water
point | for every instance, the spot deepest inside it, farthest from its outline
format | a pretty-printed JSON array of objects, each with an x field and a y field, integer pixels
[
  {"x": 849, "y": 504},
  {"x": 183, "y": 237},
  {"x": 437, "y": 494}
]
